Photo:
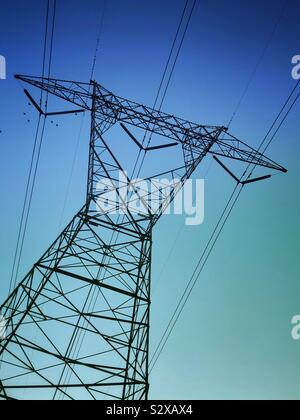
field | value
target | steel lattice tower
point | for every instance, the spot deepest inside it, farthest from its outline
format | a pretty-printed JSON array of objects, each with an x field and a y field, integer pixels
[{"x": 92, "y": 286}]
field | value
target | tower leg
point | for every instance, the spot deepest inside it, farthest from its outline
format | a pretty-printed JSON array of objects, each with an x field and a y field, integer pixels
[{"x": 78, "y": 324}]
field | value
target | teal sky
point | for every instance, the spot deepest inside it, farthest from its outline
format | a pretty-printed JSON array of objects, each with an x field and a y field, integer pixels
[{"x": 234, "y": 338}]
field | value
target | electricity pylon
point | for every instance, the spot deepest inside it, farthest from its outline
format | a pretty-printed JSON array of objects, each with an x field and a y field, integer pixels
[{"x": 78, "y": 323}]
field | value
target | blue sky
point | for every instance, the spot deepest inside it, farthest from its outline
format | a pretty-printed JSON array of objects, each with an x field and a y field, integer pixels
[{"x": 234, "y": 338}]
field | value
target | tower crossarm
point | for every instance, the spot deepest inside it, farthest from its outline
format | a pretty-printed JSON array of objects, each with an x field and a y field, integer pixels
[
  {"x": 111, "y": 109},
  {"x": 231, "y": 147},
  {"x": 74, "y": 92}
]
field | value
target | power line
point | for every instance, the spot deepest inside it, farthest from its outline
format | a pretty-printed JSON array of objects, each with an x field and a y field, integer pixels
[
  {"x": 99, "y": 36},
  {"x": 52, "y": 39},
  {"x": 45, "y": 47},
  {"x": 284, "y": 119},
  {"x": 35, "y": 158},
  {"x": 33, "y": 154},
  {"x": 259, "y": 61}
]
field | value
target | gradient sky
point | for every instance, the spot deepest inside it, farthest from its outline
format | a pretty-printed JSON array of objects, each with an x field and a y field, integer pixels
[{"x": 234, "y": 338}]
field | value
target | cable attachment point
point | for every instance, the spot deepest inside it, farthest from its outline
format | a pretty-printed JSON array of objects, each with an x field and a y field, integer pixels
[{"x": 248, "y": 181}]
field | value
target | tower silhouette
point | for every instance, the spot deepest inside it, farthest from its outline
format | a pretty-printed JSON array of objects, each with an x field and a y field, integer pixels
[{"x": 77, "y": 326}]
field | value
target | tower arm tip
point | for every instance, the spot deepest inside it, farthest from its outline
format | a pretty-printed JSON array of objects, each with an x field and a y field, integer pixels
[{"x": 231, "y": 147}]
